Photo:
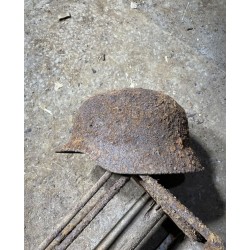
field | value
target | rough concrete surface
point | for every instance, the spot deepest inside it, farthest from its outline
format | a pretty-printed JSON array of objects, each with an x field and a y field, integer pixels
[{"x": 174, "y": 46}]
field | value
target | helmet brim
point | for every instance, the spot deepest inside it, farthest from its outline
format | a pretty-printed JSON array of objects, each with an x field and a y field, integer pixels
[{"x": 130, "y": 160}]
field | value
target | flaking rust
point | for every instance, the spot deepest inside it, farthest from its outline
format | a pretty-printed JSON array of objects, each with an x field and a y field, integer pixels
[
  {"x": 183, "y": 218},
  {"x": 142, "y": 132},
  {"x": 134, "y": 131}
]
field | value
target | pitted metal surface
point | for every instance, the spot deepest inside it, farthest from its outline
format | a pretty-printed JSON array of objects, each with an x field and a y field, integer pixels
[
  {"x": 140, "y": 131},
  {"x": 134, "y": 131},
  {"x": 172, "y": 46}
]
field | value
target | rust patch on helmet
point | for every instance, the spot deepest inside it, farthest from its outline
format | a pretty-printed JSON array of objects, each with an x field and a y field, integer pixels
[{"x": 134, "y": 131}]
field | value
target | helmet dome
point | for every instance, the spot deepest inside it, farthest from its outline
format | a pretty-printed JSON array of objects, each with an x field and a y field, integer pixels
[{"x": 134, "y": 131}]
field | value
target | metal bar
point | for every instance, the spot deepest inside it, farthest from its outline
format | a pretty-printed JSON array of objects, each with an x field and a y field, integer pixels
[
  {"x": 147, "y": 231},
  {"x": 123, "y": 223},
  {"x": 178, "y": 211},
  {"x": 158, "y": 197},
  {"x": 154, "y": 229},
  {"x": 69, "y": 227},
  {"x": 93, "y": 213},
  {"x": 75, "y": 210}
]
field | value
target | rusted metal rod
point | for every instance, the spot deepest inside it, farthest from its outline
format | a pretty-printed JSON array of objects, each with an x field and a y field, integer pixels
[
  {"x": 75, "y": 210},
  {"x": 70, "y": 226},
  {"x": 148, "y": 237},
  {"x": 179, "y": 221},
  {"x": 168, "y": 202},
  {"x": 147, "y": 230},
  {"x": 93, "y": 213},
  {"x": 123, "y": 223}
]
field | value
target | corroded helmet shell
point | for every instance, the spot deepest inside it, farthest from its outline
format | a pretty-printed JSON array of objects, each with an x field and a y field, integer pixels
[{"x": 134, "y": 131}]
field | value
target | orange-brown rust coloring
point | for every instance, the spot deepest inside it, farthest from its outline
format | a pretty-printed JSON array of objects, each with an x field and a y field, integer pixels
[{"x": 134, "y": 131}]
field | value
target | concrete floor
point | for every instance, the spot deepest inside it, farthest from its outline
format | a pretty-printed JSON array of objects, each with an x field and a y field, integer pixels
[{"x": 174, "y": 46}]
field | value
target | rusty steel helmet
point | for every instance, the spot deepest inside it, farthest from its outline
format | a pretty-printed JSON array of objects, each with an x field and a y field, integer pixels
[{"x": 134, "y": 131}]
